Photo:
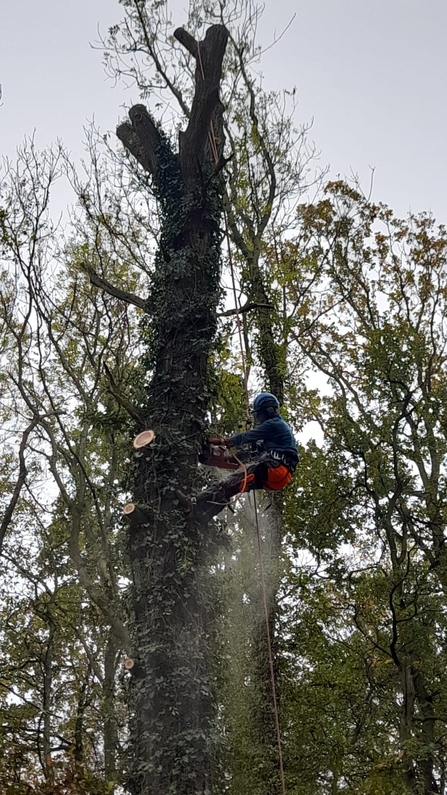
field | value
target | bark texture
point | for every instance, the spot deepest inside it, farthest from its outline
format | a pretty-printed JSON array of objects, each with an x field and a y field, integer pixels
[{"x": 174, "y": 718}]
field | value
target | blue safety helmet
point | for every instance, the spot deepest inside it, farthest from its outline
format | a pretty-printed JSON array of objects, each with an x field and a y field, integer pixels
[{"x": 264, "y": 401}]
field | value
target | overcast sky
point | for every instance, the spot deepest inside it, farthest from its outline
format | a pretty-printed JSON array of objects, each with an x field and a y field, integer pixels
[{"x": 370, "y": 73}]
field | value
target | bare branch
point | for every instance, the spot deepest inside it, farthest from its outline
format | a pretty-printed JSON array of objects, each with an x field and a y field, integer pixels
[
  {"x": 114, "y": 391},
  {"x": 246, "y": 308},
  {"x": 159, "y": 66},
  {"x": 109, "y": 288},
  {"x": 20, "y": 481},
  {"x": 97, "y": 595}
]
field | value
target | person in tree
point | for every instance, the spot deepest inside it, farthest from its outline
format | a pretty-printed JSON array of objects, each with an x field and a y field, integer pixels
[{"x": 269, "y": 448}]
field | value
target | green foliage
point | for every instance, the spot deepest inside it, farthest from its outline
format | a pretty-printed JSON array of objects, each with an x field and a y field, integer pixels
[
  {"x": 377, "y": 335},
  {"x": 228, "y": 409},
  {"x": 349, "y": 327}
]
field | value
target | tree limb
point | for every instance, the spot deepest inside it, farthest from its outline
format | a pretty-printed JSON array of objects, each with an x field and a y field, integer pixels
[
  {"x": 187, "y": 40},
  {"x": 246, "y": 308},
  {"x": 141, "y": 138},
  {"x": 96, "y": 594},
  {"x": 109, "y": 288},
  {"x": 20, "y": 481},
  {"x": 148, "y": 133},
  {"x": 132, "y": 143},
  {"x": 206, "y": 103},
  {"x": 142, "y": 16}
]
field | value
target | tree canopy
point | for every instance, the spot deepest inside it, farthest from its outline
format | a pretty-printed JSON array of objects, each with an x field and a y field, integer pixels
[{"x": 196, "y": 269}]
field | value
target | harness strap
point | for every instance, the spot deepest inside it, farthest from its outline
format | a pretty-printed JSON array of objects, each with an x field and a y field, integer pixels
[{"x": 290, "y": 460}]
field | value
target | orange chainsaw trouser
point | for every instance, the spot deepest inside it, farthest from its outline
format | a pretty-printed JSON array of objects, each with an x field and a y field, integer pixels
[{"x": 265, "y": 474}]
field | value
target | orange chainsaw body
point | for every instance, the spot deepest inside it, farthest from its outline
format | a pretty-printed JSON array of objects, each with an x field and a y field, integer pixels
[{"x": 218, "y": 455}]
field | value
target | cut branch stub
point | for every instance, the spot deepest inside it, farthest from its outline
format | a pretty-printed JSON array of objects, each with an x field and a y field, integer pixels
[
  {"x": 147, "y": 133},
  {"x": 187, "y": 40},
  {"x": 132, "y": 143},
  {"x": 141, "y": 138},
  {"x": 143, "y": 439},
  {"x": 206, "y": 103},
  {"x": 135, "y": 513}
]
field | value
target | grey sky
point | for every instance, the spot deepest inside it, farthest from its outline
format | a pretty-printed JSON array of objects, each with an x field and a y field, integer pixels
[{"x": 371, "y": 73}]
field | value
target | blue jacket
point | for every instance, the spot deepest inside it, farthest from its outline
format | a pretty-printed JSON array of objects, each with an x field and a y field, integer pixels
[{"x": 273, "y": 434}]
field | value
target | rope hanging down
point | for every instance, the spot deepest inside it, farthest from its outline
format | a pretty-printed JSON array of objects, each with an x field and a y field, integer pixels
[
  {"x": 270, "y": 652},
  {"x": 213, "y": 144}
]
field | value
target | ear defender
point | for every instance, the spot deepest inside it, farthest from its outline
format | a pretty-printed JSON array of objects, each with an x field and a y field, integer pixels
[{"x": 264, "y": 402}]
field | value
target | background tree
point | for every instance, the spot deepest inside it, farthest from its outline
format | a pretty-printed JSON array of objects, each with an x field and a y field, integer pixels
[
  {"x": 377, "y": 333},
  {"x": 70, "y": 471},
  {"x": 342, "y": 311}
]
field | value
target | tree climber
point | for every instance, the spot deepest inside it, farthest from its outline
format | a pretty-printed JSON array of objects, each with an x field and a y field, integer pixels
[{"x": 271, "y": 459}]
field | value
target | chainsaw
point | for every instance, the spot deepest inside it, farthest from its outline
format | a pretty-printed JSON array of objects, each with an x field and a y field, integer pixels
[{"x": 216, "y": 453}]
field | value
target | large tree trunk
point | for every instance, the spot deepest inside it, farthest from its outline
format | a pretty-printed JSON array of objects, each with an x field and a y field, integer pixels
[{"x": 174, "y": 725}]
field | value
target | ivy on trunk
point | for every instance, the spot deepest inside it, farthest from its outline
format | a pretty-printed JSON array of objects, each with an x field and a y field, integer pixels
[{"x": 174, "y": 737}]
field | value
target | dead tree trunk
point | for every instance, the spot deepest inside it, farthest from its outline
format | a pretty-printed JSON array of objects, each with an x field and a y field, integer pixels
[{"x": 173, "y": 743}]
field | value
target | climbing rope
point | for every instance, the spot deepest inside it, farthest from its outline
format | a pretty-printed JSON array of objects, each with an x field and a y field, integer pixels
[
  {"x": 213, "y": 145},
  {"x": 270, "y": 650}
]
